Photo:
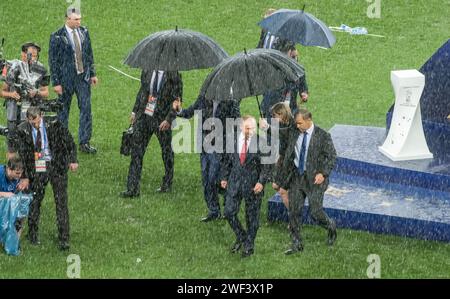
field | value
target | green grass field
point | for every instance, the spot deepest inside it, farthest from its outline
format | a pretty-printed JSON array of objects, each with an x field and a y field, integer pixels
[{"x": 160, "y": 236}]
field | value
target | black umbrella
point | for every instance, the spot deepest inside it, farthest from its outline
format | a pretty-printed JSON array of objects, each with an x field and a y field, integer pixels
[
  {"x": 251, "y": 73},
  {"x": 300, "y": 27},
  {"x": 176, "y": 50}
]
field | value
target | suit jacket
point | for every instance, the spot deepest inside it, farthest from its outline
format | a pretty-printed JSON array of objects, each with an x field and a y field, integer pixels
[
  {"x": 273, "y": 97},
  {"x": 224, "y": 110},
  {"x": 62, "y": 60},
  {"x": 289, "y": 92},
  {"x": 171, "y": 88},
  {"x": 244, "y": 177},
  {"x": 61, "y": 144},
  {"x": 279, "y": 44},
  {"x": 321, "y": 158}
]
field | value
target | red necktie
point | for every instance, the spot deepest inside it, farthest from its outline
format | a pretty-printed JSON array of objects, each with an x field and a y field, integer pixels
[{"x": 243, "y": 154}]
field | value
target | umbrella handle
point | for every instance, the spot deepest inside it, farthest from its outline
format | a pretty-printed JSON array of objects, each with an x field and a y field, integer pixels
[{"x": 259, "y": 107}]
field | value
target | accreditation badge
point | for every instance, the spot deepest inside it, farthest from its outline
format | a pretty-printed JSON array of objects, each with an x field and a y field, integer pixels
[
  {"x": 40, "y": 163},
  {"x": 23, "y": 110},
  {"x": 151, "y": 106}
]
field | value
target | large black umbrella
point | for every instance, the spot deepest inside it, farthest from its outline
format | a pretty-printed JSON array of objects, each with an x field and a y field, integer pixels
[
  {"x": 300, "y": 27},
  {"x": 251, "y": 73},
  {"x": 176, "y": 50}
]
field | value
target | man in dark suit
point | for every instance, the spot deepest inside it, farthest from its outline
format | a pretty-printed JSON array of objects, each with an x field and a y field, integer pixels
[
  {"x": 48, "y": 151},
  {"x": 244, "y": 174},
  {"x": 153, "y": 114},
  {"x": 212, "y": 111},
  {"x": 309, "y": 159},
  {"x": 72, "y": 71},
  {"x": 270, "y": 41}
]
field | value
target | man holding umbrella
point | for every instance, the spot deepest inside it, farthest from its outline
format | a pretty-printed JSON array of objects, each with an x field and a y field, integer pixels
[
  {"x": 169, "y": 52},
  {"x": 152, "y": 115},
  {"x": 217, "y": 112},
  {"x": 269, "y": 41}
]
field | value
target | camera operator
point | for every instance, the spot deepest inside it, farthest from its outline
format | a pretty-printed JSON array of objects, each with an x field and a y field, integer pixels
[{"x": 26, "y": 84}]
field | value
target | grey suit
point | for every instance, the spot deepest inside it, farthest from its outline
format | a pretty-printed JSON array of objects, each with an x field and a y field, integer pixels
[{"x": 321, "y": 158}]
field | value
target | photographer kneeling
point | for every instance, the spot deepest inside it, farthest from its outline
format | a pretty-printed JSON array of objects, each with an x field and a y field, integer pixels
[{"x": 26, "y": 84}]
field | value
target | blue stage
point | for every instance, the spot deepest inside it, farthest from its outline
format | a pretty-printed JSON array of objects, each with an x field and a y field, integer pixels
[{"x": 370, "y": 192}]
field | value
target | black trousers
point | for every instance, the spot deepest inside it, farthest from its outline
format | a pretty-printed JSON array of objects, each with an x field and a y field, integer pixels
[
  {"x": 210, "y": 166},
  {"x": 59, "y": 185},
  {"x": 145, "y": 127},
  {"x": 252, "y": 211},
  {"x": 299, "y": 189}
]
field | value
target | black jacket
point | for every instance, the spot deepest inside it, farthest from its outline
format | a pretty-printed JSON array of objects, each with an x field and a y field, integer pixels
[
  {"x": 321, "y": 158},
  {"x": 244, "y": 177},
  {"x": 61, "y": 144},
  {"x": 279, "y": 44},
  {"x": 61, "y": 57},
  {"x": 171, "y": 88}
]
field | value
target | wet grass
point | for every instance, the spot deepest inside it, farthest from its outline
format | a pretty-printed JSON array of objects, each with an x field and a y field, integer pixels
[{"x": 159, "y": 236}]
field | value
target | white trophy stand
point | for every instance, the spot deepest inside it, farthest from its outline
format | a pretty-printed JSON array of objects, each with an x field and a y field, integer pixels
[{"x": 406, "y": 140}]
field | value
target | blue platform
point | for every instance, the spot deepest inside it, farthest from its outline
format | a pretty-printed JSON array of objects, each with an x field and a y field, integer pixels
[{"x": 370, "y": 192}]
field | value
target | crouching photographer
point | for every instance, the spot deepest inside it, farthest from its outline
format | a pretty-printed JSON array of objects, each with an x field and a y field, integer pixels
[{"x": 26, "y": 84}]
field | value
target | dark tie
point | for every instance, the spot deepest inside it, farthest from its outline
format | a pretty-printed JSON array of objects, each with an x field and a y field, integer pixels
[
  {"x": 301, "y": 159},
  {"x": 243, "y": 154},
  {"x": 78, "y": 57},
  {"x": 38, "y": 140},
  {"x": 155, "y": 85}
]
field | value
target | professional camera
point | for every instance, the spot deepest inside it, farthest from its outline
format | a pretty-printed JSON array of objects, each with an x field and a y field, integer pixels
[
  {"x": 25, "y": 81},
  {"x": 53, "y": 105}
]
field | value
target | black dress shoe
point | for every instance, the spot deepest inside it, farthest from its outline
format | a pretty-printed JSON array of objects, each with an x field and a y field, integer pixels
[
  {"x": 247, "y": 252},
  {"x": 236, "y": 247},
  {"x": 294, "y": 249},
  {"x": 163, "y": 189},
  {"x": 87, "y": 148},
  {"x": 210, "y": 218},
  {"x": 64, "y": 245},
  {"x": 332, "y": 233},
  {"x": 128, "y": 194},
  {"x": 34, "y": 240}
]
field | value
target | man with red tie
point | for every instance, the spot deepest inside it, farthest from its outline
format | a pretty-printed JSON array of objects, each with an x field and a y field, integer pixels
[{"x": 244, "y": 175}]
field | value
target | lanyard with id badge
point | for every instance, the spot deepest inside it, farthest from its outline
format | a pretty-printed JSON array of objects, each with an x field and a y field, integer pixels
[
  {"x": 152, "y": 98},
  {"x": 40, "y": 163},
  {"x": 151, "y": 105}
]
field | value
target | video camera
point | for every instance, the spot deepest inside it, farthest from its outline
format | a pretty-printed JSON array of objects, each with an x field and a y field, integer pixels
[
  {"x": 53, "y": 105},
  {"x": 24, "y": 84}
]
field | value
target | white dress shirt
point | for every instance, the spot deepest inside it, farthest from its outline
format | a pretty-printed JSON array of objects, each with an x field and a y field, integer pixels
[
  {"x": 160, "y": 76},
  {"x": 70, "y": 34}
]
